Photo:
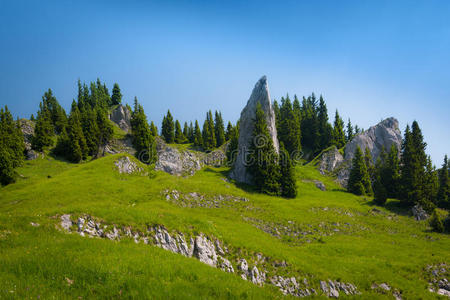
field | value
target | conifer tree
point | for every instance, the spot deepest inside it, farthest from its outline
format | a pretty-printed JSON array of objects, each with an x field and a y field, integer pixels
[
  {"x": 430, "y": 186},
  {"x": 116, "y": 97},
  {"x": 219, "y": 129},
  {"x": 264, "y": 169},
  {"x": 91, "y": 130},
  {"x": 350, "y": 133},
  {"x": 288, "y": 185},
  {"x": 143, "y": 139},
  {"x": 77, "y": 148},
  {"x": 369, "y": 164},
  {"x": 191, "y": 133},
  {"x": 229, "y": 131},
  {"x": 208, "y": 132},
  {"x": 153, "y": 129},
  {"x": 233, "y": 145},
  {"x": 186, "y": 131},
  {"x": 43, "y": 131},
  {"x": 56, "y": 112},
  {"x": 168, "y": 128},
  {"x": 359, "y": 181},
  {"x": 276, "y": 110},
  {"x": 32, "y": 118},
  {"x": 198, "y": 138},
  {"x": 325, "y": 129},
  {"x": 289, "y": 133},
  {"x": 105, "y": 128},
  {"x": 179, "y": 136},
  {"x": 443, "y": 195},
  {"x": 338, "y": 131},
  {"x": 391, "y": 173}
]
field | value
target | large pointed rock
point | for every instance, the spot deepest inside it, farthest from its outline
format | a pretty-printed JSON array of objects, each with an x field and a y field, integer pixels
[
  {"x": 121, "y": 115},
  {"x": 261, "y": 95}
]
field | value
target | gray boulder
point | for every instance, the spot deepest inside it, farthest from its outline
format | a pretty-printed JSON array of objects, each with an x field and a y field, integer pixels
[
  {"x": 126, "y": 166},
  {"x": 260, "y": 95},
  {"x": 419, "y": 213},
  {"x": 121, "y": 115},
  {"x": 384, "y": 134},
  {"x": 205, "y": 251},
  {"x": 27, "y": 128}
]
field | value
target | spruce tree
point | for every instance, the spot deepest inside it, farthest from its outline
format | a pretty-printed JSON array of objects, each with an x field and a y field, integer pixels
[
  {"x": 143, "y": 138},
  {"x": 288, "y": 185},
  {"x": 232, "y": 148},
  {"x": 289, "y": 133},
  {"x": 198, "y": 138},
  {"x": 77, "y": 148},
  {"x": 186, "y": 132},
  {"x": 369, "y": 164},
  {"x": 443, "y": 195},
  {"x": 276, "y": 110},
  {"x": 229, "y": 131},
  {"x": 56, "y": 112},
  {"x": 105, "y": 128},
  {"x": 91, "y": 130},
  {"x": 116, "y": 97},
  {"x": 179, "y": 136},
  {"x": 391, "y": 173},
  {"x": 191, "y": 135},
  {"x": 338, "y": 131},
  {"x": 208, "y": 133},
  {"x": 430, "y": 184},
  {"x": 350, "y": 133},
  {"x": 359, "y": 181},
  {"x": 219, "y": 129},
  {"x": 44, "y": 130},
  {"x": 325, "y": 129},
  {"x": 153, "y": 129},
  {"x": 264, "y": 169},
  {"x": 168, "y": 128}
]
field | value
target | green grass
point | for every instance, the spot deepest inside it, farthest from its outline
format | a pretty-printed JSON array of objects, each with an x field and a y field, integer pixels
[{"x": 386, "y": 246}]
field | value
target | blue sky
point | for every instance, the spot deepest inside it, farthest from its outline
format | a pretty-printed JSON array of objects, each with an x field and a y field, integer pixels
[{"x": 370, "y": 59}]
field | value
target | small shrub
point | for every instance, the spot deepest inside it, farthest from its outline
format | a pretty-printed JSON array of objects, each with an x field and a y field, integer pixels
[{"x": 436, "y": 222}]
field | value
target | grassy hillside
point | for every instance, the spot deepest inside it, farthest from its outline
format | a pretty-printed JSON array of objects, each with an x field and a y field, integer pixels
[{"x": 321, "y": 235}]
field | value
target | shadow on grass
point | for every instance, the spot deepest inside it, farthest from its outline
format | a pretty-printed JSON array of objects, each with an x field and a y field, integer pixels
[
  {"x": 224, "y": 173},
  {"x": 393, "y": 205}
]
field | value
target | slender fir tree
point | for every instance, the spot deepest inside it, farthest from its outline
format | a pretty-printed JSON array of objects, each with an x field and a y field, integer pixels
[
  {"x": 288, "y": 185},
  {"x": 338, "y": 131},
  {"x": 179, "y": 136},
  {"x": 168, "y": 128},
  {"x": 116, "y": 97},
  {"x": 219, "y": 129},
  {"x": 443, "y": 195},
  {"x": 359, "y": 181}
]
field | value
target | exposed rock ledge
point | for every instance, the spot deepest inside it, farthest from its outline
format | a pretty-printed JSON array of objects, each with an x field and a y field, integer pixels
[{"x": 210, "y": 251}]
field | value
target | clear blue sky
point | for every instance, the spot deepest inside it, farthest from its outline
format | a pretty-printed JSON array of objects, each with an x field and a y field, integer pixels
[{"x": 370, "y": 59}]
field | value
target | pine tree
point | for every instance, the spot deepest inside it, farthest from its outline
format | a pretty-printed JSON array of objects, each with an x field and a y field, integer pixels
[
  {"x": 208, "y": 132},
  {"x": 264, "y": 169},
  {"x": 91, "y": 131},
  {"x": 153, "y": 129},
  {"x": 232, "y": 148},
  {"x": 338, "y": 131},
  {"x": 32, "y": 118},
  {"x": 443, "y": 195},
  {"x": 287, "y": 179},
  {"x": 359, "y": 181},
  {"x": 289, "y": 133},
  {"x": 198, "y": 138},
  {"x": 186, "y": 131},
  {"x": 325, "y": 129},
  {"x": 219, "y": 129},
  {"x": 430, "y": 186},
  {"x": 391, "y": 173},
  {"x": 116, "y": 97},
  {"x": 168, "y": 128},
  {"x": 369, "y": 164},
  {"x": 77, "y": 148},
  {"x": 44, "y": 130},
  {"x": 105, "y": 128},
  {"x": 191, "y": 133},
  {"x": 276, "y": 110},
  {"x": 229, "y": 131},
  {"x": 179, "y": 136},
  {"x": 143, "y": 139},
  {"x": 350, "y": 133}
]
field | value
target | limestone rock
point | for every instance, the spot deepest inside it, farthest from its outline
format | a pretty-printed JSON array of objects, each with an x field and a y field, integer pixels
[
  {"x": 320, "y": 185},
  {"x": 419, "y": 213},
  {"x": 260, "y": 95},
  {"x": 66, "y": 222},
  {"x": 165, "y": 241},
  {"x": 205, "y": 251},
  {"x": 225, "y": 265},
  {"x": 384, "y": 134},
  {"x": 121, "y": 115},
  {"x": 256, "y": 276},
  {"x": 27, "y": 128},
  {"x": 126, "y": 166}
]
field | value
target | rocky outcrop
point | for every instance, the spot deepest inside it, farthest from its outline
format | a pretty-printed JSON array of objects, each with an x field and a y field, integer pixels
[
  {"x": 126, "y": 166},
  {"x": 121, "y": 115},
  {"x": 208, "y": 250},
  {"x": 438, "y": 279},
  {"x": 419, "y": 213},
  {"x": 260, "y": 94},
  {"x": 27, "y": 128},
  {"x": 185, "y": 162},
  {"x": 382, "y": 135}
]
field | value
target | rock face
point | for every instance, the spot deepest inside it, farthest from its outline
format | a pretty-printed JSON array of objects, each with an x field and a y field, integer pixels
[
  {"x": 126, "y": 166},
  {"x": 260, "y": 95},
  {"x": 122, "y": 117},
  {"x": 186, "y": 162},
  {"x": 419, "y": 213},
  {"x": 384, "y": 134},
  {"x": 27, "y": 128}
]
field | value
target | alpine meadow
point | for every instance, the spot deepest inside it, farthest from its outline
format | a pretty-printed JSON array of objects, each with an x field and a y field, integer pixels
[{"x": 144, "y": 155}]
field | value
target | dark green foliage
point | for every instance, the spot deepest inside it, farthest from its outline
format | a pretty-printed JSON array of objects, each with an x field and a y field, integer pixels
[
  {"x": 198, "y": 138},
  {"x": 359, "y": 180},
  {"x": 338, "y": 131},
  {"x": 56, "y": 112},
  {"x": 436, "y": 222},
  {"x": 310, "y": 125},
  {"x": 369, "y": 164},
  {"x": 208, "y": 132},
  {"x": 44, "y": 130},
  {"x": 32, "y": 118},
  {"x": 350, "y": 132},
  {"x": 116, "y": 97},
  {"x": 430, "y": 184},
  {"x": 168, "y": 128},
  {"x": 443, "y": 195},
  {"x": 232, "y": 148},
  {"x": 105, "y": 128},
  {"x": 77, "y": 149},
  {"x": 288, "y": 184},
  {"x": 391, "y": 173},
  {"x": 380, "y": 192},
  {"x": 325, "y": 129},
  {"x": 186, "y": 131},
  {"x": 289, "y": 127},
  {"x": 191, "y": 135},
  {"x": 219, "y": 129},
  {"x": 276, "y": 110},
  {"x": 413, "y": 163},
  {"x": 143, "y": 139},
  {"x": 153, "y": 129},
  {"x": 229, "y": 131},
  {"x": 91, "y": 130},
  {"x": 179, "y": 136},
  {"x": 264, "y": 167},
  {"x": 11, "y": 147}
]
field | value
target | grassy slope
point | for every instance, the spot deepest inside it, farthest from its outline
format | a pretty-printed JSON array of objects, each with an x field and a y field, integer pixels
[{"x": 392, "y": 247}]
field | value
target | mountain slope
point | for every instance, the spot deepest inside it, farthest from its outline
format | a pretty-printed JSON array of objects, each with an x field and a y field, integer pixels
[{"x": 318, "y": 236}]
